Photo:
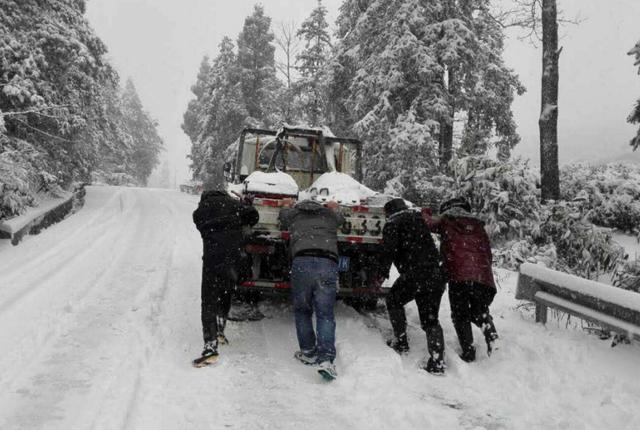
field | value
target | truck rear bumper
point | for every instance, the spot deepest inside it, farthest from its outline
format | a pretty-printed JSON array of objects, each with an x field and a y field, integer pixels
[{"x": 283, "y": 287}]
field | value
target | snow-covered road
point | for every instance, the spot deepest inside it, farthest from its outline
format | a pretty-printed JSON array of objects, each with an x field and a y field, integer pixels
[{"x": 99, "y": 319}]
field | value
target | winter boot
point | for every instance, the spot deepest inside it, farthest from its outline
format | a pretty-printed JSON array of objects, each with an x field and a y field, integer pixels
[
  {"x": 209, "y": 355},
  {"x": 435, "y": 367},
  {"x": 435, "y": 345},
  {"x": 435, "y": 342},
  {"x": 490, "y": 334},
  {"x": 399, "y": 344},
  {"x": 465, "y": 337},
  {"x": 327, "y": 370},
  {"x": 469, "y": 355},
  {"x": 308, "y": 359}
]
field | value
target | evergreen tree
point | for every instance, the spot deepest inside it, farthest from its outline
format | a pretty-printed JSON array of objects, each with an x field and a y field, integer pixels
[
  {"x": 405, "y": 69},
  {"x": 217, "y": 114},
  {"x": 311, "y": 64},
  {"x": 60, "y": 104},
  {"x": 146, "y": 143},
  {"x": 200, "y": 89},
  {"x": 634, "y": 117},
  {"x": 257, "y": 68}
]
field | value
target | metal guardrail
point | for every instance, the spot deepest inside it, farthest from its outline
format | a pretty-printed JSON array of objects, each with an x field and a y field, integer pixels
[{"x": 610, "y": 307}]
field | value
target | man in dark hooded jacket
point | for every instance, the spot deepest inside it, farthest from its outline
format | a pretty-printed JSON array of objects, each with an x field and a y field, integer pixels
[
  {"x": 313, "y": 244},
  {"x": 408, "y": 244},
  {"x": 220, "y": 220},
  {"x": 466, "y": 251}
]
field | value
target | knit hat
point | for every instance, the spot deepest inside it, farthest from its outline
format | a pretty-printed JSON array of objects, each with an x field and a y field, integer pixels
[
  {"x": 457, "y": 202},
  {"x": 394, "y": 205}
]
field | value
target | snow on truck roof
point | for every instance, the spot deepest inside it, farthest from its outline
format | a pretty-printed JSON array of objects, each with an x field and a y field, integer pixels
[
  {"x": 330, "y": 186},
  {"x": 339, "y": 187},
  {"x": 272, "y": 183}
]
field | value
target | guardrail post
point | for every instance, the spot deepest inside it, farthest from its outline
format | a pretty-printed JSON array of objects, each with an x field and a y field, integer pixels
[{"x": 541, "y": 313}]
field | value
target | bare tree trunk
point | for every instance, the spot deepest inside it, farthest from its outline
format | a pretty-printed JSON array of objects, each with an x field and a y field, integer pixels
[{"x": 548, "y": 122}]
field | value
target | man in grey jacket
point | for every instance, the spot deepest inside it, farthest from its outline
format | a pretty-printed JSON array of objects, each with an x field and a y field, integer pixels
[{"x": 314, "y": 278}]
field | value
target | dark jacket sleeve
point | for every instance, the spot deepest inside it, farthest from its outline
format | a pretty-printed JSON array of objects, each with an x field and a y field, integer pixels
[
  {"x": 433, "y": 222},
  {"x": 339, "y": 218},
  {"x": 390, "y": 243},
  {"x": 249, "y": 215},
  {"x": 284, "y": 217}
]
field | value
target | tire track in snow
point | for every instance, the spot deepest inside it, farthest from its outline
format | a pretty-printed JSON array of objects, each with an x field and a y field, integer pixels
[
  {"x": 96, "y": 306},
  {"x": 60, "y": 235}
]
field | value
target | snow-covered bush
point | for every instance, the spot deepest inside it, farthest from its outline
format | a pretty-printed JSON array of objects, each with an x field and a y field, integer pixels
[
  {"x": 504, "y": 194},
  {"x": 20, "y": 180},
  {"x": 628, "y": 276},
  {"x": 611, "y": 193},
  {"x": 582, "y": 248},
  {"x": 512, "y": 255}
]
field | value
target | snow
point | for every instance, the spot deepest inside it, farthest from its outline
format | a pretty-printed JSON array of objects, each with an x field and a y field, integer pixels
[
  {"x": 630, "y": 243},
  {"x": 99, "y": 319},
  {"x": 272, "y": 183},
  {"x": 618, "y": 296},
  {"x": 15, "y": 224},
  {"x": 338, "y": 187}
]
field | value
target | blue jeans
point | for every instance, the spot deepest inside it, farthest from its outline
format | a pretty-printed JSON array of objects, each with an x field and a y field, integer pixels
[{"x": 314, "y": 286}]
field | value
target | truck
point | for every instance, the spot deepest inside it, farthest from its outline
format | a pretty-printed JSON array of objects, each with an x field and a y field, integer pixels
[{"x": 276, "y": 168}]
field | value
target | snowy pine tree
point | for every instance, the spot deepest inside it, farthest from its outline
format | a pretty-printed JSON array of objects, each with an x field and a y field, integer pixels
[
  {"x": 217, "y": 114},
  {"x": 256, "y": 61},
  {"x": 634, "y": 117},
  {"x": 147, "y": 144},
  {"x": 61, "y": 116},
  {"x": 311, "y": 64},
  {"x": 405, "y": 69}
]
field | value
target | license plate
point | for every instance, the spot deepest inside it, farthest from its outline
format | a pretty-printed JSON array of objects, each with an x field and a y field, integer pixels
[{"x": 343, "y": 264}]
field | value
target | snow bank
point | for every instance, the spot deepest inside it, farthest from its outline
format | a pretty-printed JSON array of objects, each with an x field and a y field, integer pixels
[
  {"x": 15, "y": 224},
  {"x": 338, "y": 187},
  {"x": 272, "y": 183},
  {"x": 617, "y": 296}
]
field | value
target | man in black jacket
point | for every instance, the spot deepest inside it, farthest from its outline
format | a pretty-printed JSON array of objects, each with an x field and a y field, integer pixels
[
  {"x": 407, "y": 243},
  {"x": 220, "y": 220}
]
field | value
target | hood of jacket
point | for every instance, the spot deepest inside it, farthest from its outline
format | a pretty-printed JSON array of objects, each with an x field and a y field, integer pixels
[
  {"x": 464, "y": 222},
  {"x": 214, "y": 194},
  {"x": 309, "y": 206}
]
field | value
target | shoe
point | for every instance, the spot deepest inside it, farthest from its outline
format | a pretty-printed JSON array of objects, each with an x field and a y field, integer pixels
[
  {"x": 209, "y": 355},
  {"x": 222, "y": 339},
  {"x": 468, "y": 355},
  {"x": 399, "y": 345},
  {"x": 327, "y": 370},
  {"x": 303, "y": 358},
  {"x": 493, "y": 344},
  {"x": 435, "y": 367}
]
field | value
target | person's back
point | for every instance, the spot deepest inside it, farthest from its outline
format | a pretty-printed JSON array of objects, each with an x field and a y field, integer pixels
[
  {"x": 466, "y": 249},
  {"x": 409, "y": 243},
  {"x": 220, "y": 218},
  {"x": 313, "y": 229}
]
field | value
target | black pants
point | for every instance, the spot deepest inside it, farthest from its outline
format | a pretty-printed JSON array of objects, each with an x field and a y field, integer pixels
[
  {"x": 218, "y": 284},
  {"x": 427, "y": 292},
  {"x": 470, "y": 304}
]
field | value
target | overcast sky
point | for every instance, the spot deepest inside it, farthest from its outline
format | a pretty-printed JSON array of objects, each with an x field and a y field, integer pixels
[{"x": 160, "y": 43}]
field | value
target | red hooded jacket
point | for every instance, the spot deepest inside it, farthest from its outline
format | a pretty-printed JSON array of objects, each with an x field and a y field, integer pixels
[{"x": 465, "y": 247}]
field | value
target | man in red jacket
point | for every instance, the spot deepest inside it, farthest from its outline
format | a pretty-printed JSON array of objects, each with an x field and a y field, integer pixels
[{"x": 466, "y": 252}]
